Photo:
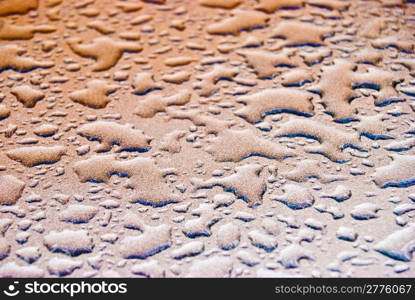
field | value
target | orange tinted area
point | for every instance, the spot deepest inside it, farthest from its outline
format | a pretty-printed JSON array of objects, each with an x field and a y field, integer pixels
[{"x": 232, "y": 138}]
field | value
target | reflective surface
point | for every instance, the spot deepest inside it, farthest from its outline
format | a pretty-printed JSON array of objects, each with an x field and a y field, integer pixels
[{"x": 236, "y": 138}]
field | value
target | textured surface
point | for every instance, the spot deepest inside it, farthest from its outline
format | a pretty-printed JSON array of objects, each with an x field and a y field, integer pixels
[{"x": 232, "y": 138}]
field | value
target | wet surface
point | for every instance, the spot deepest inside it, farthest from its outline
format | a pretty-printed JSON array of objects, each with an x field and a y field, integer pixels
[{"x": 240, "y": 138}]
